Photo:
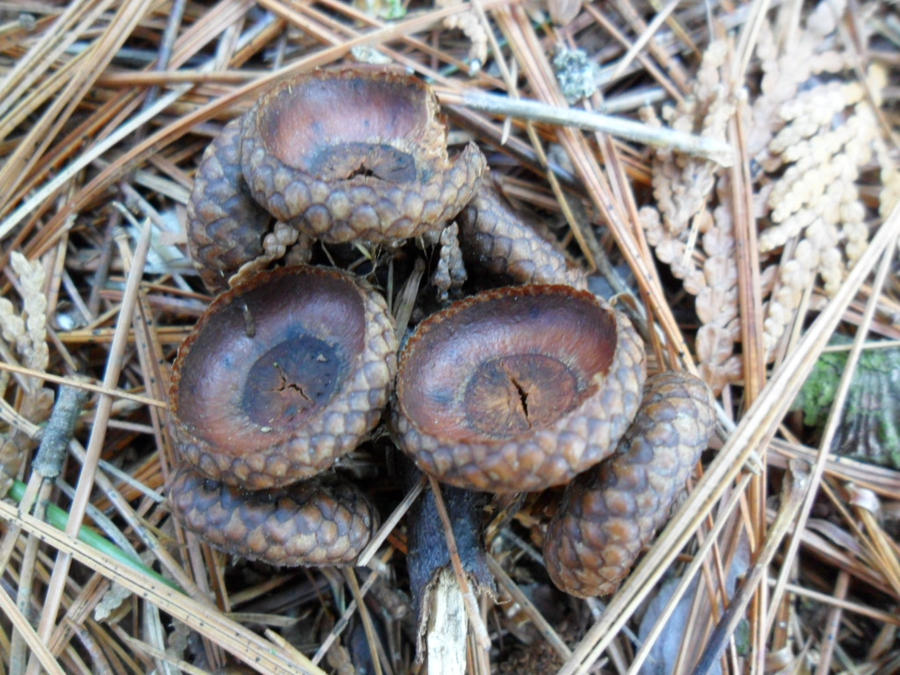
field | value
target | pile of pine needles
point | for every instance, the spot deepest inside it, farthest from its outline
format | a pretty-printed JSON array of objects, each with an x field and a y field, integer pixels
[{"x": 746, "y": 213}]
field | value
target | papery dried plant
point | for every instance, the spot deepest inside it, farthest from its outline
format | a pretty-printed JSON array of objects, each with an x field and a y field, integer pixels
[
  {"x": 687, "y": 232},
  {"x": 810, "y": 131},
  {"x": 25, "y": 332},
  {"x": 473, "y": 29}
]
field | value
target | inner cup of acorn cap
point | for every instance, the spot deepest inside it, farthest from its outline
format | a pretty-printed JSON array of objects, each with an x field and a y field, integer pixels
[
  {"x": 316, "y": 125},
  {"x": 282, "y": 375},
  {"x": 505, "y": 363},
  {"x": 269, "y": 358},
  {"x": 517, "y": 389}
]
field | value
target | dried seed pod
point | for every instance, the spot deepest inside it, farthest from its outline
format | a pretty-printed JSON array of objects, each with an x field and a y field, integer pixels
[
  {"x": 282, "y": 375},
  {"x": 311, "y": 523},
  {"x": 612, "y": 511},
  {"x": 225, "y": 227},
  {"x": 497, "y": 239},
  {"x": 356, "y": 153},
  {"x": 517, "y": 388}
]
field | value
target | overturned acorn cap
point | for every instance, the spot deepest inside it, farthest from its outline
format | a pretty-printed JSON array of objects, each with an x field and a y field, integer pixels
[
  {"x": 517, "y": 388},
  {"x": 356, "y": 152},
  {"x": 282, "y": 375}
]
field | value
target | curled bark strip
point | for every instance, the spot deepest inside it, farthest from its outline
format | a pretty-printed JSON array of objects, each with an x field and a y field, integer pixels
[{"x": 610, "y": 513}]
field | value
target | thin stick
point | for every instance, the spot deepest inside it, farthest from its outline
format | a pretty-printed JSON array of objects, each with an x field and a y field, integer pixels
[
  {"x": 342, "y": 622},
  {"x": 58, "y": 432},
  {"x": 368, "y": 627},
  {"x": 833, "y": 601},
  {"x": 98, "y": 435},
  {"x": 18, "y": 658},
  {"x": 536, "y": 617},
  {"x": 621, "y": 127},
  {"x": 647, "y": 34},
  {"x": 161, "y": 655},
  {"x": 388, "y": 526},
  {"x": 78, "y": 384},
  {"x": 832, "y": 625}
]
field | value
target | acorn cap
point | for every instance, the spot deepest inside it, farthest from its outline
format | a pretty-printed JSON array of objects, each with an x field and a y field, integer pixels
[
  {"x": 225, "y": 227},
  {"x": 517, "y": 388},
  {"x": 496, "y": 237},
  {"x": 282, "y": 375},
  {"x": 608, "y": 514},
  {"x": 315, "y": 522},
  {"x": 356, "y": 153}
]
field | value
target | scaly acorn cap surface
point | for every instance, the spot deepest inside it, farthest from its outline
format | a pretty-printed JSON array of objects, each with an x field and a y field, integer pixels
[
  {"x": 356, "y": 152},
  {"x": 225, "y": 227},
  {"x": 311, "y": 523},
  {"x": 611, "y": 512},
  {"x": 282, "y": 375},
  {"x": 496, "y": 238},
  {"x": 517, "y": 389}
]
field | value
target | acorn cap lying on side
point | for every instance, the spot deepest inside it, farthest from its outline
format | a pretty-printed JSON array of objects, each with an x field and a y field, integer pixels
[
  {"x": 225, "y": 227},
  {"x": 282, "y": 375},
  {"x": 517, "y": 388},
  {"x": 608, "y": 514},
  {"x": 315, "y": 522},
  {"x": 356, "y": 153},
  {"x": 495, "y": 236}
]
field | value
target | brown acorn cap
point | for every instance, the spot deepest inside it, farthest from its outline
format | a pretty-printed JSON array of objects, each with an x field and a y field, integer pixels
[
  {"x": 314, "y": 522},
  {"x": 495, "y": 237},
  {"x": 517, "y": 388},
  {"x": 356, "y": 153},
  {"x": 608, "y": 514},
  {"x": 282, "y": 375},
  {"x": 225, "y": 227}
]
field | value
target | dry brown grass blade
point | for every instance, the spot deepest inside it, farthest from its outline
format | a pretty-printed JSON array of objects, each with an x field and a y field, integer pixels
[
  {"x": 78, "y": 384},
  {"x": 54, "y": 117},
  {"x": 753, "y": 353},
  {"x": 40, "y": 58},
  {"x": 546, "y": 630},
  {"x": 98, "y": 435},
  {"x": 749, "y": 437},
  {"x": 830, "y": 429},
  {"x": 38, "y": 647}
]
